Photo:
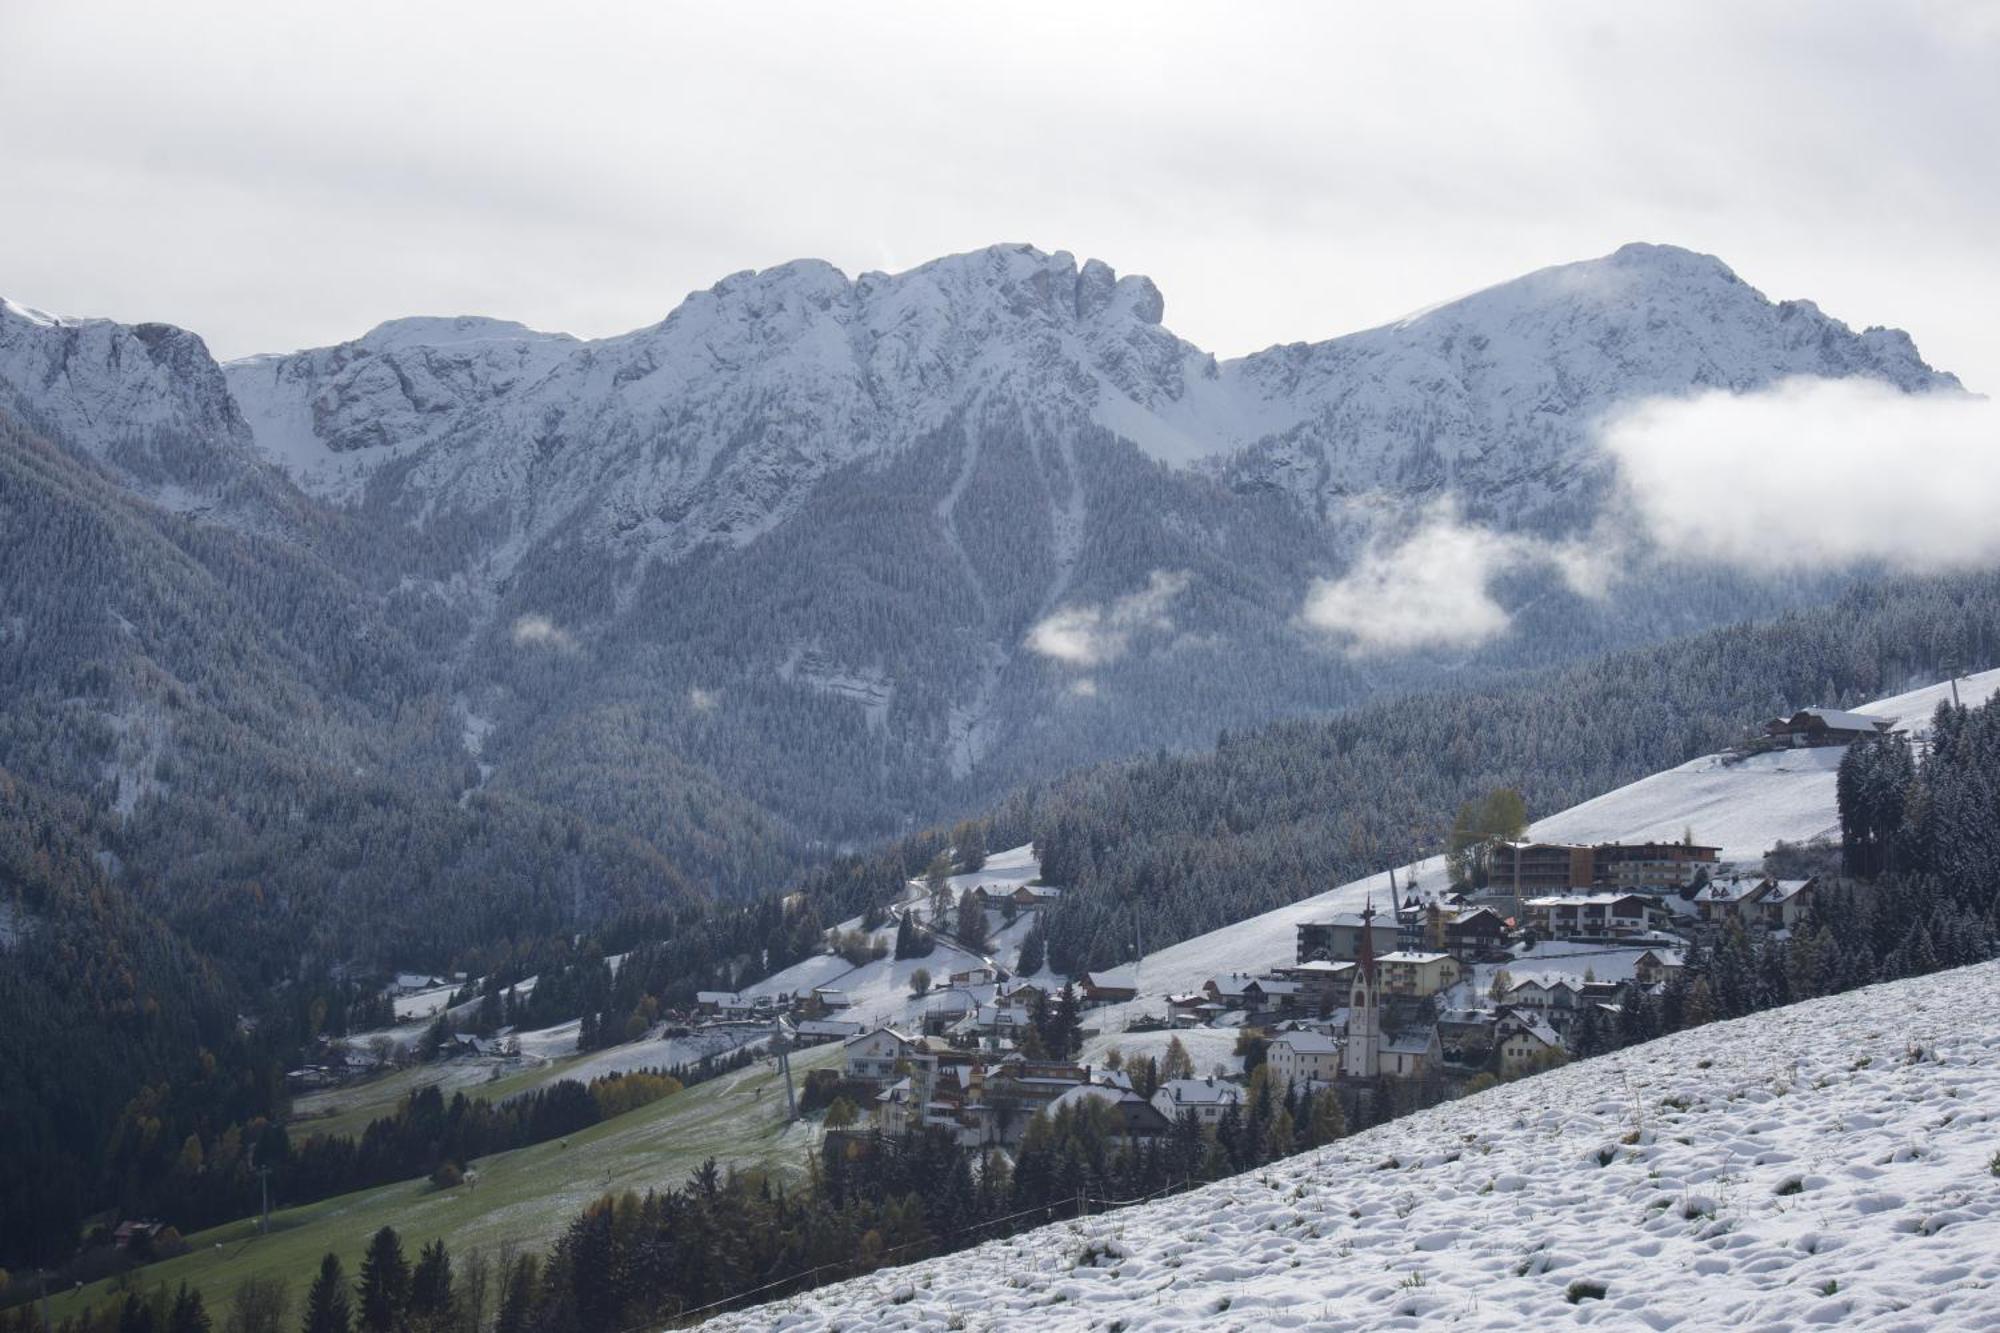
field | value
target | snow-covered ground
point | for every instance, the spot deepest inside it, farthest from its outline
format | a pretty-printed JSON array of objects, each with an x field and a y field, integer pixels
[
  {"x": 1743, "y": 807},
  {"x": 879, "y": 991},
  {"x": 1831, "y": 1164}
]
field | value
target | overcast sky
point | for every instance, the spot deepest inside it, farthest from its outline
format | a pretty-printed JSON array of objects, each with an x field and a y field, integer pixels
[{"x": 275, "y": 176}]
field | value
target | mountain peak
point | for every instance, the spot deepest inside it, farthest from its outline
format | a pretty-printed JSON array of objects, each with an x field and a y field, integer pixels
[{"x": 451, "y": 331}]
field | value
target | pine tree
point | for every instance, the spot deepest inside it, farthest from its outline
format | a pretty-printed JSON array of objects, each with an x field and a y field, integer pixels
[
  {"x": 972, "y": 921},
  {"x": 385, "y": 1283},
  {"x": 189, "y": 1314},
  {"x": 327, "y": 1306},
  {"x": 431, "y": 1304},
  {"x": 1032, "y": 950}
]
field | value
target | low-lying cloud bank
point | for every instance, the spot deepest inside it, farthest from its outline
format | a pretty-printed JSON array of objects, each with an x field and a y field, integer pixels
[
  {"x": 1089, "y": 636},
  {"x": 1815, "y": 473},
  {"x": 1433, "y": 590},
  {"x": 1808, "y": 474}
]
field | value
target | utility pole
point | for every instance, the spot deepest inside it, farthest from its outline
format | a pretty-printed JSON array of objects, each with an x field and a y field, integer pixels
[{"x": 783, "y": 1049}]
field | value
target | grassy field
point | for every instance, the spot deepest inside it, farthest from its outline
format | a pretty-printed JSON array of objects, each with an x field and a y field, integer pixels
[
  {"x": 523, "y": 1198},
  {"x": 344, "y": 1112}
]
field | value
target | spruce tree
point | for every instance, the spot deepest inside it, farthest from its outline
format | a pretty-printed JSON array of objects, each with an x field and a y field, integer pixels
[
  {"x": 327, "y": 1307},
  {"x": 189, "y": 1314},
  {"x": 385, "y": 1283},
  {"x": 431, "y": 1306},
  {"x": 1032, "y": 950}
]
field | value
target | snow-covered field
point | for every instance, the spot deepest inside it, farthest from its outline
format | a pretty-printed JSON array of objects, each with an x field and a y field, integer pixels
[
  {"x": 1742, "y": 807},
  {"x": 880, "y": 990},
  {"x": 1831, "y": 1164}
]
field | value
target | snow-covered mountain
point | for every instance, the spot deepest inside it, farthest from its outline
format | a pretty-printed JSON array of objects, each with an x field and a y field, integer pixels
[
  {"x": 144, "y": 400},
  {"x": 1824, "y": 1164},
  {"x": 712, "y": 425},
  {"x": 1493, "y": 396},
  {"x": 807, "y": 525}
]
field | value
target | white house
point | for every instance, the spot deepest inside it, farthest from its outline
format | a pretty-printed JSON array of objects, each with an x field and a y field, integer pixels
[
  {"x": 872, "y": 1056},
  {"x": 1204, "y": 1098},
  {"x": 1528, "y": 1044},
  {"x": 1303, "y": 1057}
]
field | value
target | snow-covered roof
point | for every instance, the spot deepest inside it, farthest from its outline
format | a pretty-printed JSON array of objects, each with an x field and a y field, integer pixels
[
  {"x": 1200, "y": 1092},
  {"x": 1308, "y": 1043},
  {"x": 1583, "y": 899},
  {"x": 1784, "y": 890},
  {"x": 1540, "y": 1031},
  {"x": 1113, "y": 978},
  {"x": 1401, "y": 957},
  {"x": 864, "y": 1036},
  {"x": 1414, "y": 1041},
  {"x": 826, "y": 1027},
  {"x": 1839, "y": 720}
]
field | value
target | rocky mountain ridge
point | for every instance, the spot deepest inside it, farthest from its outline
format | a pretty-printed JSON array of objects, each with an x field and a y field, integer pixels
[{"x": 873, "y": 548}]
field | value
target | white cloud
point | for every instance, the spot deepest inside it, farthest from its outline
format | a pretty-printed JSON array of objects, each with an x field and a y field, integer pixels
[
  {"x": 1088, "y": 636},
  {"x": 1433, "y": 590},
  {"x": 1815, "y": 473},
  {"x": 534, "y": 630}
]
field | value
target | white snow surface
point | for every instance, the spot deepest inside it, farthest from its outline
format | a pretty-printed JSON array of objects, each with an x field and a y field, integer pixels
[{"x": 1825, "y": 1165}]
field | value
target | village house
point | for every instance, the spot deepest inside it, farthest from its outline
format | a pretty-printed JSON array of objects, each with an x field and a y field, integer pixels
[
  {"x": 1111, "y": 986},
  {"x": 1731, "y": 900},
  {"x": 1825, "y": 726},
  {"x": 1193, "y": 1009},
  {"x": 817, "y": 1031},
  {"x": 1534, "y": 869},
  {"x": 1339, "y": 940},
  {"x": 975, "y": 976},
  {"x": 1418, "y": 975},
  {"x": 1594, "y": 916},
  {"x": 1206, "y": 1099},
  {"x": 1476, "y": 934},
  {"x": 1656, "y": 967},
  {"x": 1303, "y": 1058},
  {"x": 1651, "y": 867},
  {"x": 1785, "y": 903},
  {"x": 872, "y": 1057},
  {"x": 1035, "y": 896},
  {"x": 1554, "y": 999},
  {"x": 1321, "y": 983},
  {"x": 1528, "y": 1043},
  {"x": 1133, "y": 1118}
]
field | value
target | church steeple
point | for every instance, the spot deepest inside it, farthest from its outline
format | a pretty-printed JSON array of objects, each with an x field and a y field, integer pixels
[{"x": 1362, "y": 1057}]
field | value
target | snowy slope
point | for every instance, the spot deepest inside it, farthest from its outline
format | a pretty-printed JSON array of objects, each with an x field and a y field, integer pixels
[
  {"x": 879, "y": 991},
  {"x": 1743, "y": 807},
  {"x": 1827, "y": 1164}
]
